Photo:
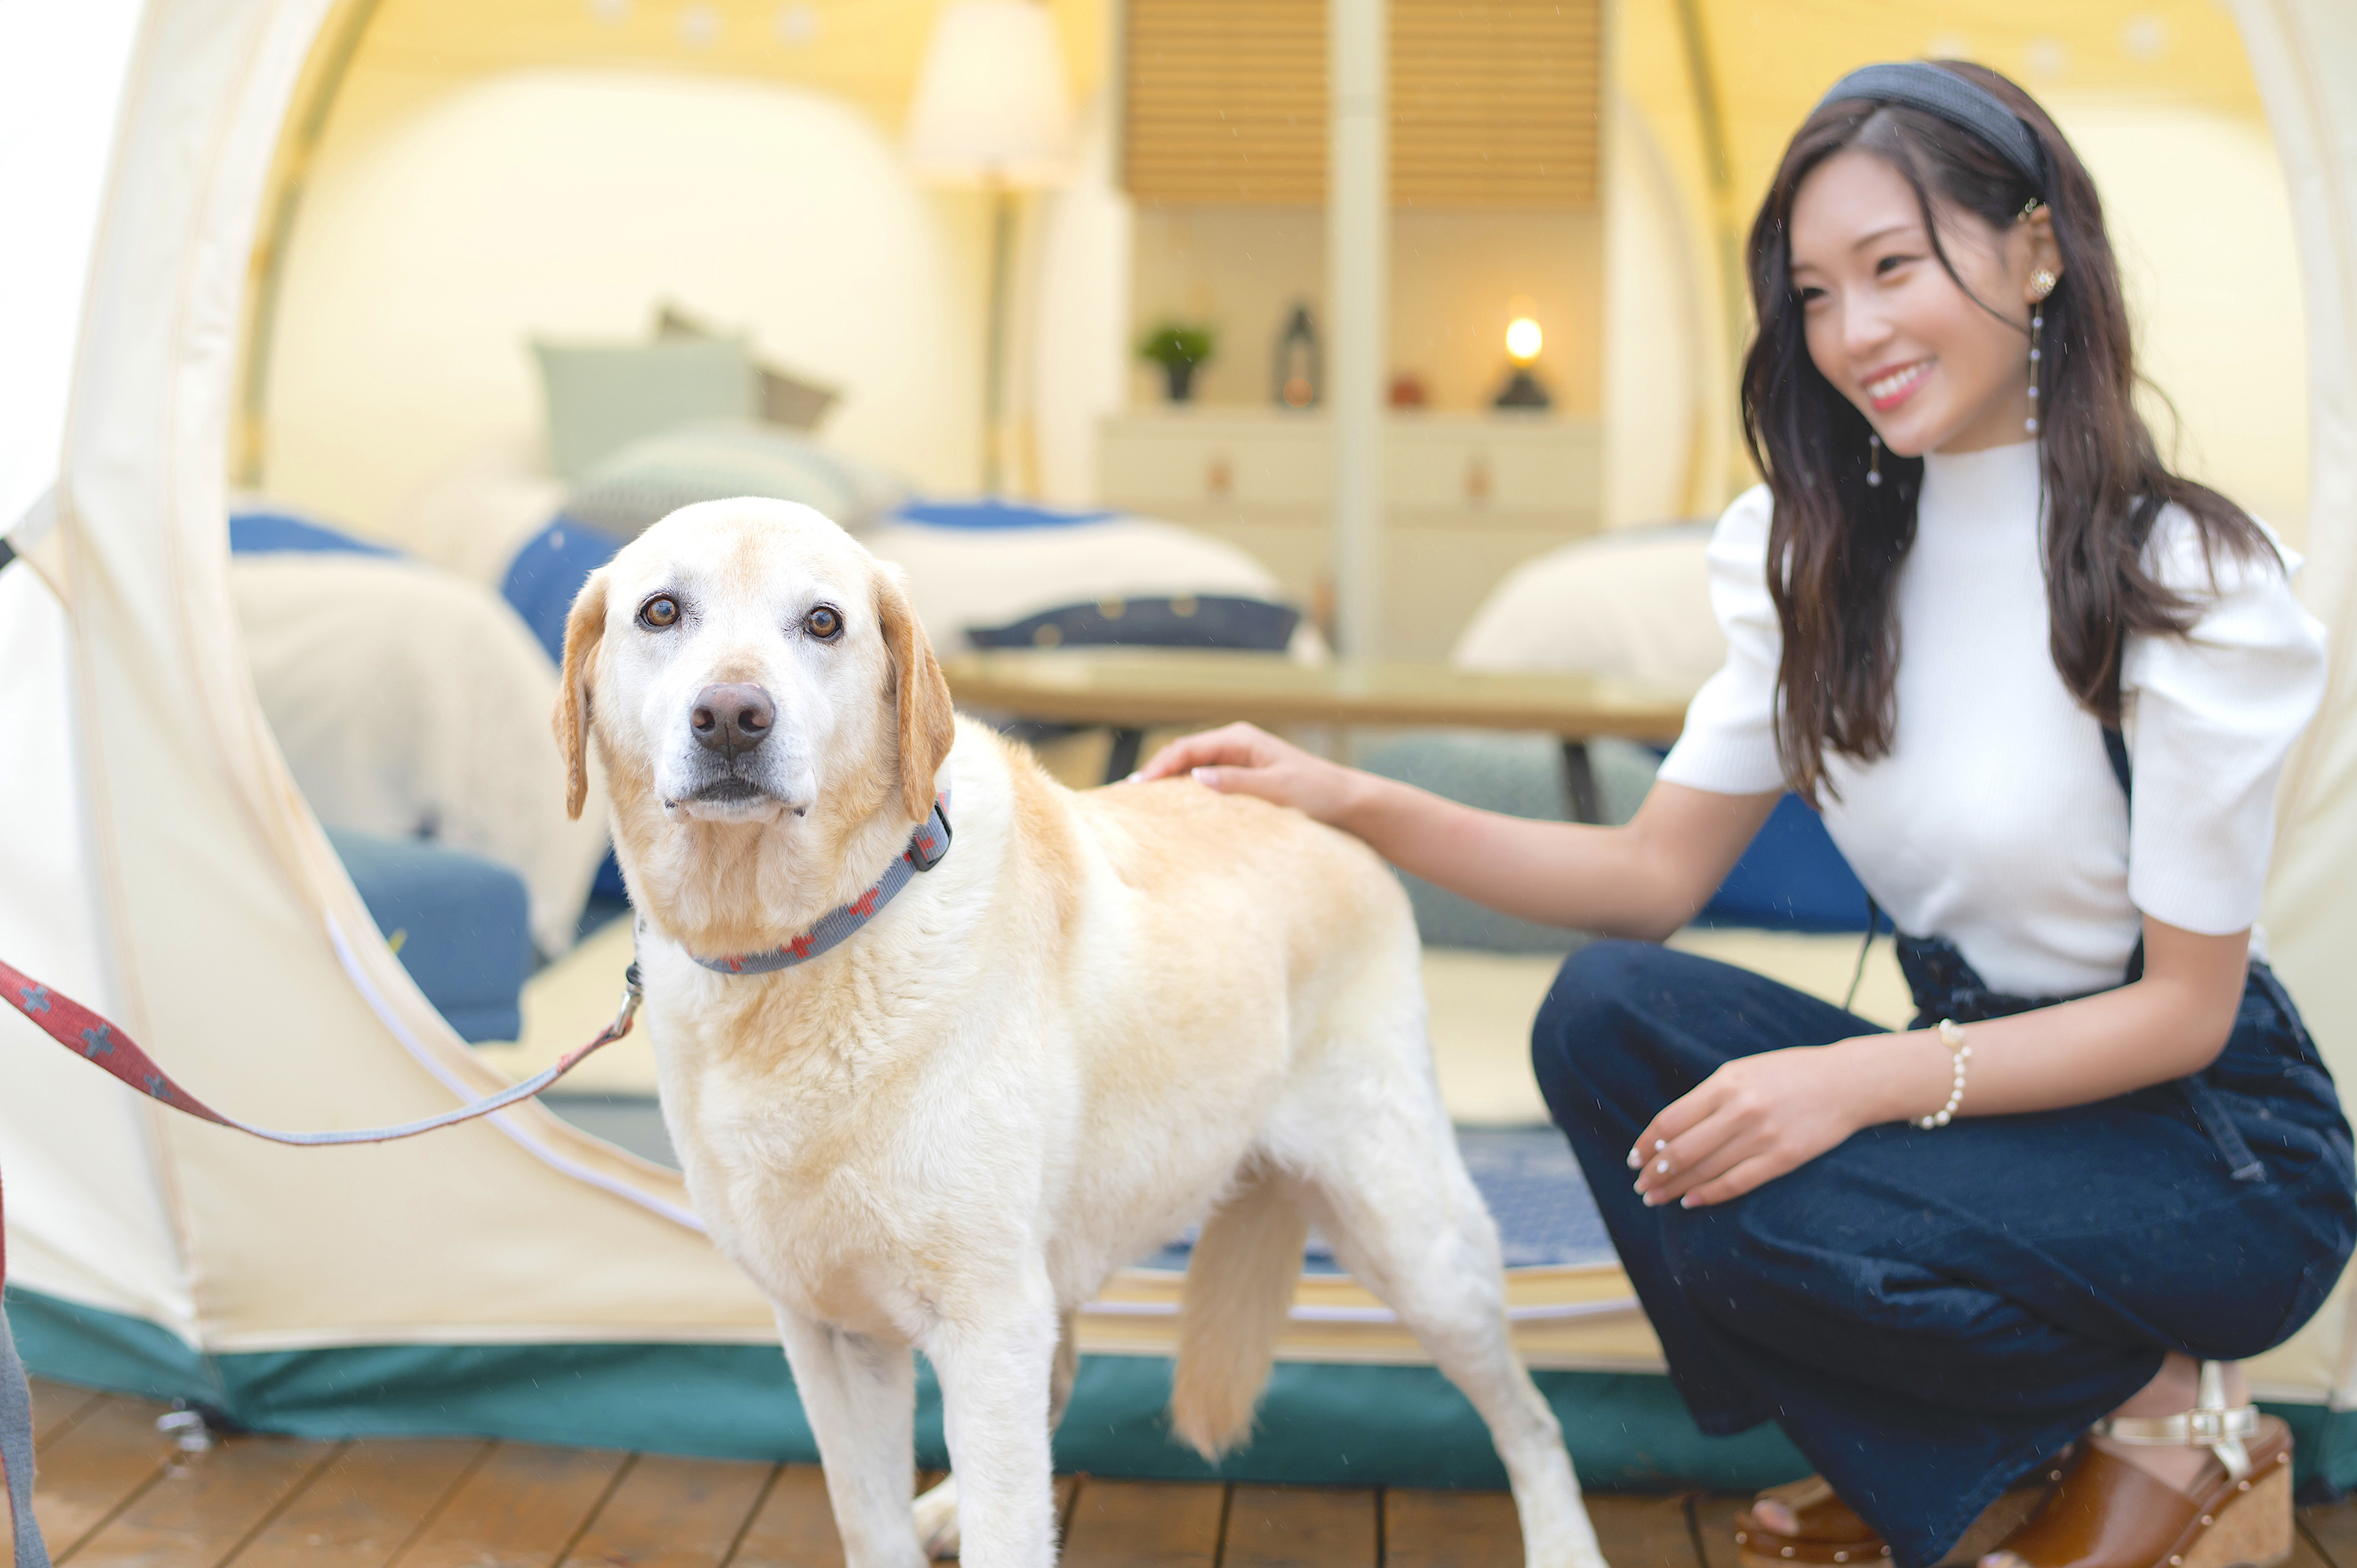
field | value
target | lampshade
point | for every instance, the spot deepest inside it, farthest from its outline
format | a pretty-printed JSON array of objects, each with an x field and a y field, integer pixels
[{"x": 991, "y": 104}]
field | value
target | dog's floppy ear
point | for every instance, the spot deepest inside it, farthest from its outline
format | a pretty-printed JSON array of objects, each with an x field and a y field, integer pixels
[
  {"x": 584, "y": 628},
  {"x": 928, "y": 727}
]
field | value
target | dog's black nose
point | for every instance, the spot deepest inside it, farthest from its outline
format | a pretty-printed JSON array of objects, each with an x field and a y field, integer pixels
[{"x": 730, "y": 718}]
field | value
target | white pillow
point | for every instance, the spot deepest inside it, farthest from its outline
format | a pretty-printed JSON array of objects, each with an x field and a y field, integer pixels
[
  {"x": 1634, "y": 604},
  {"x": 473, "y": 518},
  {"x": 408, "y": 701},
  {"x": 962, "y": 577}
]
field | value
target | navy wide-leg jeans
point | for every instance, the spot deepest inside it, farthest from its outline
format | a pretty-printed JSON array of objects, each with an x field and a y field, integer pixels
[{"x": 1929, "y": 1315}]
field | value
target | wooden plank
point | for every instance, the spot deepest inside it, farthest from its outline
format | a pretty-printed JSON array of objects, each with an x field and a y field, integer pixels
[
  {"x": 1146, "y": 1524},
  {"x": 1644, "y": 1532},
  {"x": 204, "y": 1505},
  {"x": 520, "y": 1508},
  {"x": 1301, "y": 1527},
  {"x": 794, "y": 1527},
  {"x": 2330, "y": 1533},
  {"x": 56, "y": 1406},
  {"x": 672, "y": 1513},
  {"x": 1450, "y": 1529},
  {"x": 1714, "y": 1526},
  {"x": 95, "y": 1466},
  {"x": 2306, "y": 1553},
  {"x": 368, "y": 1503}
]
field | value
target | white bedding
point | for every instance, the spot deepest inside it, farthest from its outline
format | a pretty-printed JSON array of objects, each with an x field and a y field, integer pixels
[
  {"x": 409, "y": 701},
  {"x": 1634, "y": 604},
  {"x": 962, "y": 578}
]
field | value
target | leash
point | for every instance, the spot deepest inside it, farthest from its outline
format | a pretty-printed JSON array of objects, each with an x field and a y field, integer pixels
[{"x": 99, "y": 1042}]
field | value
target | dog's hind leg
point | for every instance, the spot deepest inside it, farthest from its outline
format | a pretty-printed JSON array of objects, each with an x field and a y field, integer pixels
[
  {"x": 860, "y": 1396},
  {"x": 1392, "y": 1193},
  {"x": 995, "y": 1373},
  {"x": 937, "y": 1517}
]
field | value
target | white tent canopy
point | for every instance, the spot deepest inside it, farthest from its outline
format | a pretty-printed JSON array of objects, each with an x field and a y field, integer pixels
[{"x": 158, "y": 862}]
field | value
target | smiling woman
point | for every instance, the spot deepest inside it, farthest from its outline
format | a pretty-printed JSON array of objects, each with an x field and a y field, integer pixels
[
  {"x": 1940, "y": 287},
  {"x": 1968, "y": 611}
]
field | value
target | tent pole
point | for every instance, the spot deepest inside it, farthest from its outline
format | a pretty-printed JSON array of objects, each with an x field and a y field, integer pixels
[{"x": 1358, "y": 249}]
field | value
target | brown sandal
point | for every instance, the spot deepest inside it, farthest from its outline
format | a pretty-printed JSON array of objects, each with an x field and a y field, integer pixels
[
  {"x": 2107, "y": 1513},
  {"x": 1830, "y": 1533}
]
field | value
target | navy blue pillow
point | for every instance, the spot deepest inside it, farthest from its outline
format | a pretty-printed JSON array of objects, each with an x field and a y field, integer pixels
[
  {"x": 1186, "y": 620},
  {"x": 276, "y": 532},
  {"x": 547, "y": 574},
  {"x": 994, "y": 512},
  {"x": 462, "y": 923},
  {"x": 542, "y": 583},
  {"x": 1792, "y": 878}
]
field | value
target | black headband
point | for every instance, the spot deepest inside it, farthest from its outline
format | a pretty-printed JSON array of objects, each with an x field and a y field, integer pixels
[{"x": 1952, "y": 99}]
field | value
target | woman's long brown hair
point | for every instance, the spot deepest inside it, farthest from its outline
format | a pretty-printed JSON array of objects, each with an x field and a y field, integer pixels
[{"x": 1836, "y": 544}]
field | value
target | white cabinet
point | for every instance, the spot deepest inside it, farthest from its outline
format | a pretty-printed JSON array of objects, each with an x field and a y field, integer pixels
[{"x": 1467, "y": 497}]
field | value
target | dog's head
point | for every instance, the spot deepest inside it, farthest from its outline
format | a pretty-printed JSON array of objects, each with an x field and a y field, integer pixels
[{"x": 764, "y": 701}]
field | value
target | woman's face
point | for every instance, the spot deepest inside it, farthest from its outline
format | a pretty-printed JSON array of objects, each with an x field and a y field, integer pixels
[{"x": 1932, "y": 368}]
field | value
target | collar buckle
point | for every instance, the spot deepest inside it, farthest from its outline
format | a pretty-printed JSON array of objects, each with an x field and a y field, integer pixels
[{"x": 926, "y": 848}]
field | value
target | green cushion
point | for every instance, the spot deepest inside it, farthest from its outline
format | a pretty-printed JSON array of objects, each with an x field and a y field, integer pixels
[
  {"x": 602, "y": 397},
  {"x": 648, "y": 480}
]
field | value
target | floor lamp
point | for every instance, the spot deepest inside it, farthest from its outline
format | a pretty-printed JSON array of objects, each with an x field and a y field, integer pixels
[{"x": 991, "y": 110}]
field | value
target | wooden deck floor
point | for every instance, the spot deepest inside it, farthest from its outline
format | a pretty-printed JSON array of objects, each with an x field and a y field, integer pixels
[{"x": 113, "y": 1493}]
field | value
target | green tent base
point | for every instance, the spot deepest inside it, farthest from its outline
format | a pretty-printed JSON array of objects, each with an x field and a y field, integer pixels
[{"x": 1319, "y": 1423}]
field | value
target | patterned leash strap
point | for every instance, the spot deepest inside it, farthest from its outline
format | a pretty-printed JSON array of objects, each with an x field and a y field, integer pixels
[
  {"x": 16, "y": 1439},
  {"x": 95, "y": 1040}
]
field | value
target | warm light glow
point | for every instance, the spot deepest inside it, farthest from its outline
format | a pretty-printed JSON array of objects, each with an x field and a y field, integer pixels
[
  {"x": 1523, "y": 340},
  {"x": 990, "y": 105}
]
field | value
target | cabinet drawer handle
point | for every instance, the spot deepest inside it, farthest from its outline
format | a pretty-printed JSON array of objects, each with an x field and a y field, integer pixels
[
  {"x": 1477, "y": 478},
  {"x": 1219, "y": 478}
]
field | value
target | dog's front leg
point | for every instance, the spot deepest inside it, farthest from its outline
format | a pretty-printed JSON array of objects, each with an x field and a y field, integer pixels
[
  {"x": 994, "y": 1373},
  {"x": 860, "y": 1396}
]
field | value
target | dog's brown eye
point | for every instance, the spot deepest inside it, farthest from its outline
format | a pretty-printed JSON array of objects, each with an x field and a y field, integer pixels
[
  {"x": 825, "y": 623},
  {"x": 659, "y": 611}
]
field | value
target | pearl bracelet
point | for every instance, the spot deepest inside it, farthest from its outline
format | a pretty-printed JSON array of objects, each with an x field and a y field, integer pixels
[{"x": 1951, "y": 1034}]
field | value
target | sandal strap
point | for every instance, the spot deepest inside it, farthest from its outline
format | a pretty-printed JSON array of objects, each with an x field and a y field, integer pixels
[{"x": 2209, "y": 1424}]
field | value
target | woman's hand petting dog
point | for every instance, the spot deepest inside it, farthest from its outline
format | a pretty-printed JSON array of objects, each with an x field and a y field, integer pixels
[{"x": 1241, "y": 759}]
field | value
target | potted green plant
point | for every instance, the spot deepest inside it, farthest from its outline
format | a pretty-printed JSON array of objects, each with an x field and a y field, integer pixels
[{"x": 1177, "y": 348}]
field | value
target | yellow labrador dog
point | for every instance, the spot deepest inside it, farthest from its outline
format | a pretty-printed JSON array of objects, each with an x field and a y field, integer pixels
[{"x": 932, "y": 1093}]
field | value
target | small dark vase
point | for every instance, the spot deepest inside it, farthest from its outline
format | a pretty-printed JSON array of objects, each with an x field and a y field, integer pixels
[{"x": 1179, "y": 376}]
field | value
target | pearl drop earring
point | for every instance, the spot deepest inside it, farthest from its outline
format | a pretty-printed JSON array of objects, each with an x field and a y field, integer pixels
[
  {"x": 2043, "y": 282},
  {"x": 1873, "y": 459}
]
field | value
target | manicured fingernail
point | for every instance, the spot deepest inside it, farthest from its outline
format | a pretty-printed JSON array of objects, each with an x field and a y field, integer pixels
[
  {"x": 1659, "y": 1144},
  {"x": 1686, "y": 1202},
  {"x": 1134, "y": 777},
  {"x": 1651, "y": 1199},
  {"x": 1207, "y": 776},
  {"x": 1636, "y": 1160},
  {"x": 1663, "y": 1167}
]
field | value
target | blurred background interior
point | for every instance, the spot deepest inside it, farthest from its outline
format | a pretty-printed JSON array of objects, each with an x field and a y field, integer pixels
[
  {"x": 1364, "y": 369},
  {"x": 1059, "y": 305}
]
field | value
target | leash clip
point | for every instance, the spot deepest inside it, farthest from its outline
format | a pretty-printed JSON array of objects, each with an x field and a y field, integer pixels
[{"x": 634, "y": 990}]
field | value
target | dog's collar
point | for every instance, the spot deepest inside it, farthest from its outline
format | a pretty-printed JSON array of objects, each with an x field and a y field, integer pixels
[{"x": 926, "y": 847}]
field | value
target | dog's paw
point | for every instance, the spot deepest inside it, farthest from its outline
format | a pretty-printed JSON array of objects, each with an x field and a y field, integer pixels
[{"x": 936, "y": 1520}]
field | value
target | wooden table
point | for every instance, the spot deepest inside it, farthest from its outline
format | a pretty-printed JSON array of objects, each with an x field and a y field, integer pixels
[{"x": 1132, "y": 689}]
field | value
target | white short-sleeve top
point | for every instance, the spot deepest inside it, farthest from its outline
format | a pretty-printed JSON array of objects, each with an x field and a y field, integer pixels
[{"x": 1995, "y": 821}]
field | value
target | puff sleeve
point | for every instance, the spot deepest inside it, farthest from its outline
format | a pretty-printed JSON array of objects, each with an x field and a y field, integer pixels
[
  {"x": 1728, "y": 746},
  {"x": 2209, "y": 716}
]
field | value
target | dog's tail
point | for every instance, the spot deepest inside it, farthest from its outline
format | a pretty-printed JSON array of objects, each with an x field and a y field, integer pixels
[{"x": 1239, "y": 1289}]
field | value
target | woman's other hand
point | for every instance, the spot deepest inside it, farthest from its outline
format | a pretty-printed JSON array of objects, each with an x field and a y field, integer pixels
[
  {"x": 1241, "y": 759},
  {"x": 1750, "y": 1122}
]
